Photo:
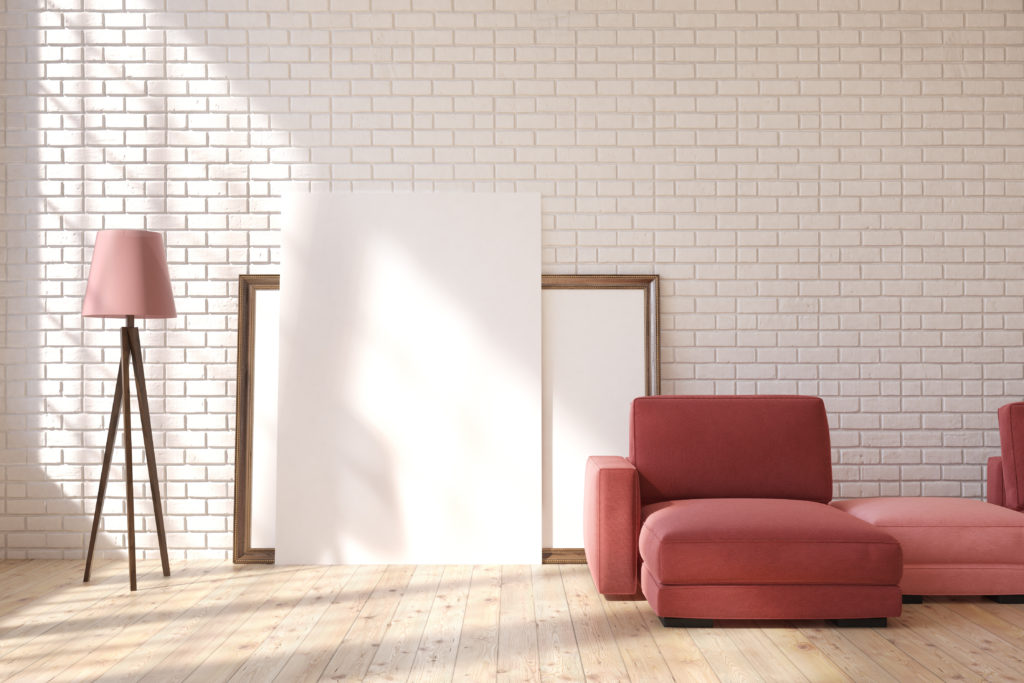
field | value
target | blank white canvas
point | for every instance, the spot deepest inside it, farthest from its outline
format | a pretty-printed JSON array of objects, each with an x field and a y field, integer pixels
[
  {"x": 409, "y": 415},
  {"x": 594, "y": 366},
  {"x": 267, "y": 305}
]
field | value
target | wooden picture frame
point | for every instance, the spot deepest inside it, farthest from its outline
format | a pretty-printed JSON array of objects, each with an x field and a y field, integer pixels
[
  {"x": 248, "y": 291},
  {"x": 591, "y": 334},
  {"x": 249, "y": 287}
]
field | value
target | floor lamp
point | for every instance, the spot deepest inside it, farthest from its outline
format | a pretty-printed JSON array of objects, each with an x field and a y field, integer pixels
[{"x": 128, "y": 278}]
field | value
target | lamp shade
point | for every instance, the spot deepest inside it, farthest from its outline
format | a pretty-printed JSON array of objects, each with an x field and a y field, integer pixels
[{"x": 128, "y": 276}]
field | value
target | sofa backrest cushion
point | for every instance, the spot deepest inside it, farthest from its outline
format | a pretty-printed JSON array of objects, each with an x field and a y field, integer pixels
[
  {"x": 1011, "y": 437},
  {"x": 731, "y": 447}
]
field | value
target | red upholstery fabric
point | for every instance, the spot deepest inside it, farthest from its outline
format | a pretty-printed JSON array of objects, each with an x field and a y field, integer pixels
[
  {"x": 951, "y": 546},
  {"x": 611, "y": 522},
  {"x": 945, "y": 530},
  {"x": 731, "y": 447},
  {"x": 771, "y": 601},
  {"x": 996, "y": 491},
  {"x": 963, "y": 579},
  {"x": 716, "y": 541},
  {"x": 1011, "y": 437},
  {"x": 736, "y": 526}
]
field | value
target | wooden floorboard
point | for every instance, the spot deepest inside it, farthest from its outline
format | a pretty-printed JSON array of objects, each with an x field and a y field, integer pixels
[
  {"x": 598, "y": 651},
  {"x": 558, "y": 656},
  {"x": 214, "y": 621},
  {"x": 765, "y": 656},
  {"x": 435, "y": 656},
  {"x": 477, "y": 655}
]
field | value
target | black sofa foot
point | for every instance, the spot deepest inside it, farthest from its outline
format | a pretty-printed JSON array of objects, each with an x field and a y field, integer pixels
[
  {"x": 1007, "y": 599},
  {"x": 675, "y": 622},
  {"x": 913, "y": 599},
  {"x": 873, "y": 622}
]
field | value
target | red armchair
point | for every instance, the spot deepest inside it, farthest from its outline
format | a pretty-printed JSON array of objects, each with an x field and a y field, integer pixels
[{"x": 721, "y": 512}]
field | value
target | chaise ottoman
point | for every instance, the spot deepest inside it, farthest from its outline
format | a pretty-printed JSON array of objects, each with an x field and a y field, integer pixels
[
  {"x": 763, "y": 558},
  {"x": 951, "y": 546}
]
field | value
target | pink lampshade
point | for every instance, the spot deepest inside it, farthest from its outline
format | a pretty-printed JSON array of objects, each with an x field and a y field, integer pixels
[{"x": 128, "y": 276}]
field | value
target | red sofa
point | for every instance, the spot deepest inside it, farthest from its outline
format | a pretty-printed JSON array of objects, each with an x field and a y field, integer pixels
[
  {"x": 721, "y": 512},
  {"x": 960, "y": 546}
]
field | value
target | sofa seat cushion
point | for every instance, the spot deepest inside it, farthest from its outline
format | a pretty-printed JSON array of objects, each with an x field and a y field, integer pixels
[
  {"x": 944, "y": 531},
  {"x": 739, "y": 541}
]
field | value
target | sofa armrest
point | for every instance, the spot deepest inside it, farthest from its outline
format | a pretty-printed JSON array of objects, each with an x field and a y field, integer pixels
[
  {"x": 995, "y": 481},
  {"x": 611, "y": 524}
]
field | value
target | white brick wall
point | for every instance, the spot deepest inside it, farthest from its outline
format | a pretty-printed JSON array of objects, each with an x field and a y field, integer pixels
[{"x": 832, "y": 192}]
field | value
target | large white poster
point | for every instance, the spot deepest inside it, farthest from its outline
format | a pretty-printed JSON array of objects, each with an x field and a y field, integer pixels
[{"x": 410, "y": 387}]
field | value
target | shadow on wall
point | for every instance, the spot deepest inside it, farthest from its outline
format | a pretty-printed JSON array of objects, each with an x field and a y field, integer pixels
[{"x": 126, "y": 120}]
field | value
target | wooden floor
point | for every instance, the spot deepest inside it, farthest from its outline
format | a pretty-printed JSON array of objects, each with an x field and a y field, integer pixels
[{"x": 217, "y": 621}]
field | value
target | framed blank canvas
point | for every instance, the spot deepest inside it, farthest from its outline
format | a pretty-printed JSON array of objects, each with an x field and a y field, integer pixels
[
  {"x": 256, "y": 419},
  {"x": 600, "y": 351}
]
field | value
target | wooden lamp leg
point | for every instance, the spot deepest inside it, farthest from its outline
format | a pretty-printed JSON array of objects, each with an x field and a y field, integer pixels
[
  {"x": 108, "y": 453},
  {"x": 147, "y": 437},
  {"x": 128, "y": 484}
]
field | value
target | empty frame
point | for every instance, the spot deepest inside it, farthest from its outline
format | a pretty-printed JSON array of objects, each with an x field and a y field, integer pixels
[
  {"x": 600, "y": 341},
  {"x": 600, "y": 351},
  {"x": 256, "y": 419}
]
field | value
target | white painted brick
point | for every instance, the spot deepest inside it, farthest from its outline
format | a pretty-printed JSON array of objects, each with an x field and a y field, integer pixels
[{"x": 818, "y": 225}]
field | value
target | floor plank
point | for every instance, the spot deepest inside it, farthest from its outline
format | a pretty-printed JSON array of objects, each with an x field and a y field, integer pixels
[
  {"x": 232, "y": 602},
  {"x": 1006, "y": 631},
  {"x": 61, "y": 606},
  {"x": 637, "y": 646},
  {"x": 356, "y": 652},
  {"x": 844, "y": 654},
  {"x": 517, "y": 633},
  {"x": 898, "y": 663},
  {"x": 678, "y": 649},
  {"x": 16, "y": 577},
  {"x": 397, "y": 650},
  {"x": 48, "y": 580},
  {"x": 765, "y": 656},
  {"x": 214, "y": 621},
  {"x": 435, "y": 658},
  {"x": 921, "y": 645},
  {"x": 107, "y": 642},
  {"x": 723, "y": 655},
  {"x": 145, "y": 646},
  {"x": 270, "y": 657},
  {"x": 316, "y": 649},
  {"x": 977, "y": 655},
  {"x": 600, "y": 658},
  {"x": 558, "y": 656},
  {"x": 243, "y": 638},
  {"x": 477, "y": 658},
  {"x": 814, "y": 664}
]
